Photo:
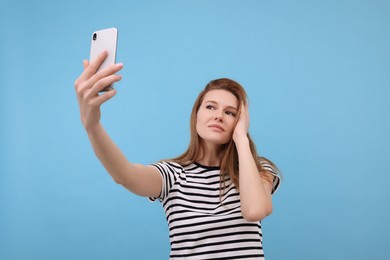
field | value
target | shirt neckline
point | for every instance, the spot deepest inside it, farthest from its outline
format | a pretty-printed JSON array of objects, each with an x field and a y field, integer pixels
[{"x": 207, "y": 167}]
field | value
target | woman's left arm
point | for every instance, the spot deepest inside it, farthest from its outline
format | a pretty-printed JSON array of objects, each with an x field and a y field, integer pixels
[{"x": 255, "y": 191}]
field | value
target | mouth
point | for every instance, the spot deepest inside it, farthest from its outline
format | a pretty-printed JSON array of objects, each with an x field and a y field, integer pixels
[{"x": 217, "y": 127}]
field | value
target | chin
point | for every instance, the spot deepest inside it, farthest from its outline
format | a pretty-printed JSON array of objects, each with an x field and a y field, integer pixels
[
  {"x": 212, "y": 138},
  {"x": 216, "y": 141}
]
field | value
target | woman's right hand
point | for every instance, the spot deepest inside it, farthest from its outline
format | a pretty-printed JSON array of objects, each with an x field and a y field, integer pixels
[{"x": 88, "y": 86}]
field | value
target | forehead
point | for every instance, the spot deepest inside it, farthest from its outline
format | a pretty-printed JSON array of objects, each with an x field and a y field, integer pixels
[{"x": 222, "y": 97}]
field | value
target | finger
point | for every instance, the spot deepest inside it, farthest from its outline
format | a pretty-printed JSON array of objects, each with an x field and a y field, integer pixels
[
  {"x": 105, "y": 73},
  {"x": 90, "y": 83},
  {"x": 245, "y": 109},
  {"x": 103, "y": 83},
  {"x": 85, "y": 64},
  {"x": 93, "y": 66},
  {"x": 246, "y": 112},
  {"x": 244, "y": 105},
  {"x": 242, "y": 110},
  {"x": 105, "y": 97},
  {"x": 78, "y": 84}
]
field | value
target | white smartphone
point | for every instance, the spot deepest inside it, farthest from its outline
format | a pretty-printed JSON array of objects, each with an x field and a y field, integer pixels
[{"x": 104, "y": 40}]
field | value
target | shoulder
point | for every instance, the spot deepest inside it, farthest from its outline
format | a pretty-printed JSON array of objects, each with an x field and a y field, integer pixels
[
  {"x": 267, "y": 165},
  {"x": 168, "y": 166},
  {"x": 271, "y": 173}
]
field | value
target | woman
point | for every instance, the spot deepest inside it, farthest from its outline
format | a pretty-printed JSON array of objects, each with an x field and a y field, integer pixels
[{"x": 215, "y": 193}]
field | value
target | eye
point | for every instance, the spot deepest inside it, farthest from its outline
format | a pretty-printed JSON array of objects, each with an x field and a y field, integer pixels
[
  {"x": 230, "y": 113},
  {"x": 211, "y": 107}
]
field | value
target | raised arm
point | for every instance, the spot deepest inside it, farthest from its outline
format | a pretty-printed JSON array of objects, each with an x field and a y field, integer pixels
[
  {"x": 137, "y": 178},
  {"x": 255, "y": 191}
]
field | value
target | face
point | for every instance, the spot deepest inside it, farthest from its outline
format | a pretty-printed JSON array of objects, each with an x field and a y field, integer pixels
[{"x": 216, "y": 117}]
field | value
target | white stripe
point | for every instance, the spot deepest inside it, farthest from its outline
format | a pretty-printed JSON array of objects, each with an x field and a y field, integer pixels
[{"x": 186, "y": 189}]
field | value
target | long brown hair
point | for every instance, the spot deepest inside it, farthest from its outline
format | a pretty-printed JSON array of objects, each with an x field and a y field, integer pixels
[{"x": 229, "y": 155}]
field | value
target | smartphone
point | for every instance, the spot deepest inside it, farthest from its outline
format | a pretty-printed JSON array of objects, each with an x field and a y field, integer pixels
[{"x": 104, "y": 40}]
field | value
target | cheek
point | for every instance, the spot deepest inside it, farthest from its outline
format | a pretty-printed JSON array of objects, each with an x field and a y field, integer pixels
[
  {"x": 200, "y": 117},
  {"x": 231, "y": 123},
  {"x": 198, "y": 122},
  {"x": 201, "y": 123}
]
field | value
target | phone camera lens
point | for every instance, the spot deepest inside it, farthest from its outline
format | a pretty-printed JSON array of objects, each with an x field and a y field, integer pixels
[{"x": 94, "y": 36}]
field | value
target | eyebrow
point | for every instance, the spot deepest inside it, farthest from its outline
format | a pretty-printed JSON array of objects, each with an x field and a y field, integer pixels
[{"x": 215, "y": 102}]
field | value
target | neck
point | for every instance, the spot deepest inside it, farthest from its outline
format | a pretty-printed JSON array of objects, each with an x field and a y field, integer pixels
[{"x": 211, "y": 155}]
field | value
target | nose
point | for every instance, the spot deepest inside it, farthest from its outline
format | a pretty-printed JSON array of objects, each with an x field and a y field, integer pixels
[{"x": 218, "y": 117}]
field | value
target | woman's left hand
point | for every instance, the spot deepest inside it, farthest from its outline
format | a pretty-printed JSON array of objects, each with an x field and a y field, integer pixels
[{"x": 241, "y": 129}]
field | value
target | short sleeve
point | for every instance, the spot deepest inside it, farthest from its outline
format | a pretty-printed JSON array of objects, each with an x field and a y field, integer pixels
[
  {"x": 276, "y": 180},
  {"x": 169, "y": 173}
]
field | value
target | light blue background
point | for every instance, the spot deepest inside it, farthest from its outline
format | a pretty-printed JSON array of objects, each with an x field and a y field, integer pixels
[{"x": 317, "y": 74}]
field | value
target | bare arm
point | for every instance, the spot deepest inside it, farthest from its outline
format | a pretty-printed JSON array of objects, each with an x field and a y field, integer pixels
[
  {"x": 255, "y": 191},
  {"x": 139, "y": 179}
]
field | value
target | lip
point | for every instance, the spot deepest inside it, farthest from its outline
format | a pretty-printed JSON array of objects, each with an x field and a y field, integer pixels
[{"x": 217, "y": 127}]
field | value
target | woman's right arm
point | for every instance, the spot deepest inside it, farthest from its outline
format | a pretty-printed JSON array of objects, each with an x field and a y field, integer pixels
[{"x": 137, "y": 178}]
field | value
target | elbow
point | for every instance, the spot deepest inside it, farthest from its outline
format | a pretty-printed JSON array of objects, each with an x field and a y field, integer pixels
[
  {"x": 118, "y": 181},
  {"x": 255, "y": 215}
]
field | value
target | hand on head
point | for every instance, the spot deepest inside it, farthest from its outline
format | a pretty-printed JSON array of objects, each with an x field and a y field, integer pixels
[{"x": 242, "y": 126}]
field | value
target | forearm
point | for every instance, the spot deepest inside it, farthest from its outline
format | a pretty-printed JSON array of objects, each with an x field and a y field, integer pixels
[
  {"x": 255, "y": 199},
  {"x": 137, "y": 178},
  {"x": 112, "y": 158}
]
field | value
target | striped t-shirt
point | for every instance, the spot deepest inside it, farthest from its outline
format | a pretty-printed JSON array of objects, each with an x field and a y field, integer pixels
[{"x": 201, "y": 224}]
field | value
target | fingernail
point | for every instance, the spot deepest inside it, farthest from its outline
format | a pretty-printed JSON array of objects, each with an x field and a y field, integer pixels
[{"x": 119, "y": 64}]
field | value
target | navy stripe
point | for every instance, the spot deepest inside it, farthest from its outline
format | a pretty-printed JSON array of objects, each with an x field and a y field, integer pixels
[{"x": 202, "y": 224}]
